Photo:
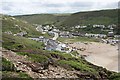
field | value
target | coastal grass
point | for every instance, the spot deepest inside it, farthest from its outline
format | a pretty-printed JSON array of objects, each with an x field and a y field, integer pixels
[
  {"x": 78, "y": 66},
  {"x": 34, "y": 57},
  {"x": 11, "y": 42},
  {"x": 16, "y": 25}
]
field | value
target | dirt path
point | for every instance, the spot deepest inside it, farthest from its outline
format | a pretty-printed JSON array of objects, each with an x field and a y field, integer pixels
[{"x": 100, "y": 54}]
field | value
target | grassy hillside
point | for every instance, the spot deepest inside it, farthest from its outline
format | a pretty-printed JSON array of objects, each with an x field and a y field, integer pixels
[
  {"x": 44, "y": 18},
  {"x": 11, "y": 24},
  {"x": 9, "y": 71},
  {"x": 66, "y": 21},
  {"x": 33, "y": 49},
  {"x": 105, "y": 17}
]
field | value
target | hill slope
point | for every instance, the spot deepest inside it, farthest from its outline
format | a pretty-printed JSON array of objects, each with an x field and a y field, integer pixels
[
  {"x": 105, "y": 17},
  {"x": 43, "y": 18},
  {"x": 13, "y": 25}
]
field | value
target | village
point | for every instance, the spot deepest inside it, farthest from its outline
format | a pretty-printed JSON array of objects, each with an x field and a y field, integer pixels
[
  {"x": 92, "y": 51},
  {"x": 54, "y": 44}
]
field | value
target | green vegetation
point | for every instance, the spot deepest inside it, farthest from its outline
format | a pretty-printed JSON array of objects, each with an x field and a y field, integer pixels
[
  {"x": 7, "y": 65},
  {"x": 66, "y": 21},
  {"x": 77, "y": 39},
  {"x": 9, "y": 71},
  {"x": 34, "y": 57},
  {"x": 61, "y": 55},
  {"x": 15, "y": 75},
  {"x": 35, "y": 53},
  {"x": 78, "y": 66},
  {"x": 47, "y": 35},
  {"x": 34, "y": 50},
  {"x": 15, "y": 26},
  {"x": 44, "y": 18},
  {"x": 105, "y": 17},
  {"x": 115, "y": 76},
  {"x": 20, "y": 43}
]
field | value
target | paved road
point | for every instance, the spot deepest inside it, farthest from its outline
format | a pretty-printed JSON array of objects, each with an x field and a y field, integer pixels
[{"x": 56, "y": 35}]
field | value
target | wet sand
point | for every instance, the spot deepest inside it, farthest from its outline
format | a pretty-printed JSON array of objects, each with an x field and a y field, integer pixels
[{"x": 100, "y": 54}]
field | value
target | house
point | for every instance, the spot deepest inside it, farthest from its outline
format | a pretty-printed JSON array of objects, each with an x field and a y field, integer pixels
[
  {"x": 65, "y": 34},
  {"x": 96, "y": 35},
  {"x": 98, "y": 26},
  {"x": 35, "y": 39},
  {"x": 21, "y": 33},
  {"x": 78, "y": 27},
  {"x": 110, "y": 34},
  {"x": 78, "y": 34},
  {"x": 51, "y": 45},
  {"x": 39, "y": 28}
]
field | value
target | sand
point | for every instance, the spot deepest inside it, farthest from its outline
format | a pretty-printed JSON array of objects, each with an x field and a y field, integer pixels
[{"x": 100, "y": 54}]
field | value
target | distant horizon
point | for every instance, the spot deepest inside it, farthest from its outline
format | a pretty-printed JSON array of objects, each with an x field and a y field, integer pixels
[
  {"x": 24, "y": 7},
  {"x": 57, "y": 13}
]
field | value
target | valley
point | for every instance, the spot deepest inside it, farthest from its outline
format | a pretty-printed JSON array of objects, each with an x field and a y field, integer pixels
[{"x": 59, "y": 46}]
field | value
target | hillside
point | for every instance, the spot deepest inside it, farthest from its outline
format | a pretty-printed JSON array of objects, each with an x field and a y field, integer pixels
[
  {"x": 25, "y": 58},
  {"x": 105, "y": 17},
  {"x": 67, "y": 21},
  {"x": 43, "y": 18},
  {"x": 12, "y": 25},
  {"x": 56, "y": 64}
]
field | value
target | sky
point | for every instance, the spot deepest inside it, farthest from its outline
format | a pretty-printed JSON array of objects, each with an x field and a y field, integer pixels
[{"x": 22, "y": 7}]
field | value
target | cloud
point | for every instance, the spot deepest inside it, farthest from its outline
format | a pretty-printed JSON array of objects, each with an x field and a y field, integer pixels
[{"x": 15, "y": 7}]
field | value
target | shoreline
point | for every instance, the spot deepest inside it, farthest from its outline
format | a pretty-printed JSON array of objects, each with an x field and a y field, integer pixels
[{"x": 100, "y": 54}]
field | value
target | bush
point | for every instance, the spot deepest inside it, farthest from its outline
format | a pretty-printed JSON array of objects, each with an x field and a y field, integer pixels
[{"x": 7, "y": 65}]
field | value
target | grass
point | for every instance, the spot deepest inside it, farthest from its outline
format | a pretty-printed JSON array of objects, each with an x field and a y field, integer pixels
[
  {"x": 61, "y": 54},
  {"x": 9, "y": 71},
  {"x": 7, "y": 65},
  {"x": 17, "y": 43},
  {"x": 47, "y": 35},
  {"x": 115, "y": 76},
  {"x": 78, "y": 66},
  {"x": 34, "y": 57},
  {"x": 105, "y": 17},
  {"x": 9, "y": 24},
  {"x": 15, "y": 75},
  {"x": 77, "y": 39},
  {"x": 44, "y": 18},
  {"x": 75, "y": 53}
]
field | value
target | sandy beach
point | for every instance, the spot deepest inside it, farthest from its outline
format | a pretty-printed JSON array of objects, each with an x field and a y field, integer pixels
[{"x": 100, "y": 54}]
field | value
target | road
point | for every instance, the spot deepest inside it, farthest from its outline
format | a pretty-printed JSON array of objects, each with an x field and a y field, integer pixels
[{"x": 56, "y": 35}]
